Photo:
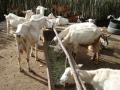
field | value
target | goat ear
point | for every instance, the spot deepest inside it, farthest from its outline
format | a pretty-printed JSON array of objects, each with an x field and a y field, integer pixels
[{"x": 79, "y": 65}]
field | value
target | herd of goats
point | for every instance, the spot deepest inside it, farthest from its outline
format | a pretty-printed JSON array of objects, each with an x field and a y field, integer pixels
[{"x": 29, "y": 31}]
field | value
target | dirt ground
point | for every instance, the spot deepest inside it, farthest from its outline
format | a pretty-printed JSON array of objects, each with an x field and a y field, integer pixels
[
  {"x": 12, "y": 79},
  {"x": 10, "y": 76}
]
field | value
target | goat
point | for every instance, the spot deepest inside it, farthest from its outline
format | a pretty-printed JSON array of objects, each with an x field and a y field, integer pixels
[
  {"x": 28, "y": 35},
  {"x": 40, "y": 10},
  {"x": 113, "y": 17},
  {"x": 13, "y": 20},
  {"x": 101, "y": 79},
  {"x": 91, "y": 20},
  {"x": 51, "y": 16},
  {"x": 28, "y": 13},
  {"x": 36, "y": 16},
  {"x": 62, "y": 21},
  {"x": 81, "y": 34}
]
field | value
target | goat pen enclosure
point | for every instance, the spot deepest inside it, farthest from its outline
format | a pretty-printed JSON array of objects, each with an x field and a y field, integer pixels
[
  {"x": 110, "y": 58},
  {"x": 98, "y": 9}
]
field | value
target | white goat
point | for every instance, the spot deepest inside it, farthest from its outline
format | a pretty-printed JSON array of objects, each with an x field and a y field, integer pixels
[
  {"x": 28, "y": 36},
  {"x": 113, "y": 17},
  {"x": 40, "y": 10},
  {"x": 13, "y": 20},
  {"x": 35, "y": 17},
  {"x": 39, "y": 13},
  {"x": 28, "y": 13},
  {"x": 51, "y": 16},
  {"x": 101, "y": 79},
  {"x": 61, "y": 21},
  {"x": 83, "y": 34},
  {"x": 91, "y": 20}
]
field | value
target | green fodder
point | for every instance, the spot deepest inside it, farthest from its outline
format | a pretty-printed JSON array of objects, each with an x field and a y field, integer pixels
[{"x": 56, "y": 63}]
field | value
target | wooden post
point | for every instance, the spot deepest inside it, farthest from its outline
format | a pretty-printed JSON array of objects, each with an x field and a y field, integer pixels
[{"x": 78, "y": 81}]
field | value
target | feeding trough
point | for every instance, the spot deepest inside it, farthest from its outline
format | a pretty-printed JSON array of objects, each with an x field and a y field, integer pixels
[{"x": 56, "y": 65}]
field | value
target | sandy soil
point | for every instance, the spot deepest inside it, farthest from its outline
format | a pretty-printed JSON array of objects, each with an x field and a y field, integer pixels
[{"x": 10, "y": 76}]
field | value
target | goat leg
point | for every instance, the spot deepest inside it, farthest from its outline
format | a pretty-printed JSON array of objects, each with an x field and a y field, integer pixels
[
  {"x": 8, "y": 27},
  {"x": 36, "y": 53},
  {"x": 28, "y": 57},
  {"x": 97, "y": 57},
  {"x": 31, "y": 53},
  {"x": 19, "y": 59},
  {"x": 94, "y": 56}
]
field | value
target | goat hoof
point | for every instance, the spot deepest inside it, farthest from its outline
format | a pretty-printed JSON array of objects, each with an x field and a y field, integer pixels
[
  {"x": 21, "y": 70},
  {"x": 93, "y": 59},
  {"x": 30, "y": 70},
  {"x": 32, "y": 55}
]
